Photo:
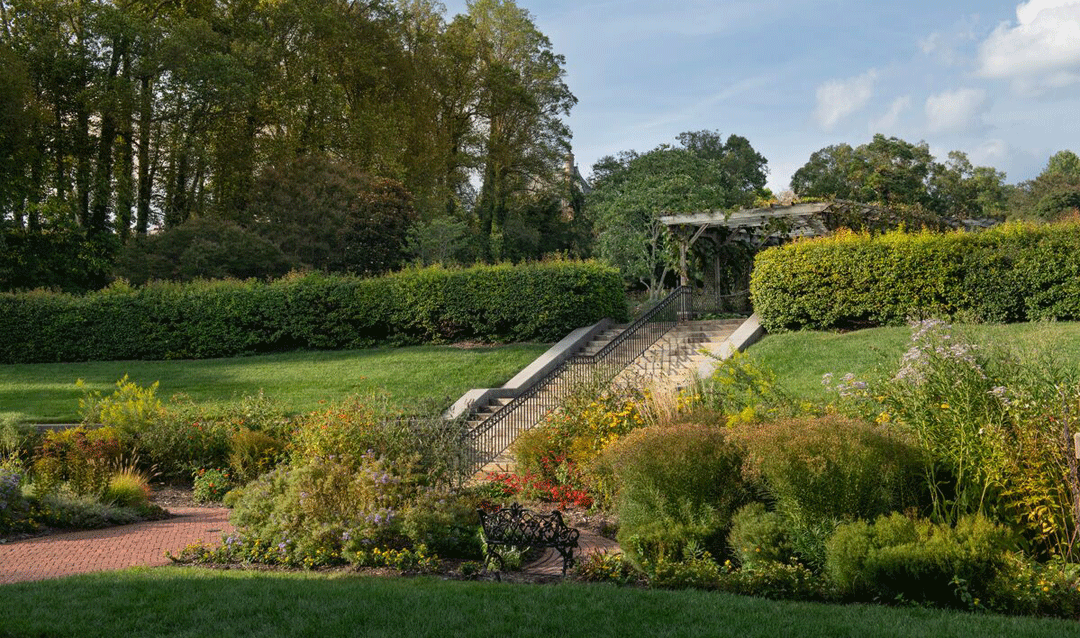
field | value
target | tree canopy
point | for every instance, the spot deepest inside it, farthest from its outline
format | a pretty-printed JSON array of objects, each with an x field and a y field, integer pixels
[
  {"x": 894, "y": 172},
  {"x": 631, "y": 191},
  {"x": 119, "y": 117}
]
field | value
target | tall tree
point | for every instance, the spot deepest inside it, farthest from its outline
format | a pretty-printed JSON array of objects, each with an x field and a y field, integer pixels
[
  {"x": 631, "y": 192},
  {"x": 891, "y": 171},
  {"x": 523, "y": 98}
]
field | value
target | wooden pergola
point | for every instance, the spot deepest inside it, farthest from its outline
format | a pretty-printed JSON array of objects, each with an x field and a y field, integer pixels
[{"x": 756, "y": 226}]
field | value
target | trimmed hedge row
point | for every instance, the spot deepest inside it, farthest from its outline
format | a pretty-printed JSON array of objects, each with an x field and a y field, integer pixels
[
  {"x": 1013, "y": 272},
  {"x": 203, "y": 319}
]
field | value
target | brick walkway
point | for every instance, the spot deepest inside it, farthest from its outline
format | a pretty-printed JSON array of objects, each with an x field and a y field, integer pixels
[
  {"x": 145, "y": 544},
  {"x": 113, "y": 548},
  {"x": 550, "y": 563}
]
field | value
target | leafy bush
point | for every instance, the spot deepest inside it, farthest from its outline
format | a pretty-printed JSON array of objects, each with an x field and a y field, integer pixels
[
  {"x": 832, "y": 467},
  {"x": 997, "y": 426},
  {"x": 773, "y": 580},
  {"x": 210, "y": 486},
  {"x": 914, "y": 559},
  {"x": 1024, "y": 586},
  {"x": 677, "y": 486},
  {"x": 127, "y": 487},
  {"x": 327, "y": 508},
  {"x": 81, "y": 458},
  {"x": 604, "y": 567},
  {"x": 744, "y": 390},
  {"x": 759, "y": 536},
  {"x": 252, "y": 453},
  {"x": 202, "y": 319},
  {"x": 1014, "y": 272},
  {"x": 695, "y": 572},
  {"x": 446, "y": 523},
  {"x": 354, "y": 429},
  {"x": 66, "y": 510},
  {"x": 13, "y": 507},
  {"x": 200, "y": 248}
]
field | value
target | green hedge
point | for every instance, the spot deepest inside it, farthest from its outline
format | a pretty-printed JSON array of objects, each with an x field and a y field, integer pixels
[
  {"x": 1013, "y": 272},
  {"x": 203, "y": 319}
]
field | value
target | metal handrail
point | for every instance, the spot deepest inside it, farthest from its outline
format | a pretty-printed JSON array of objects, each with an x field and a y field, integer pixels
[{"x": 495, "y": 433}]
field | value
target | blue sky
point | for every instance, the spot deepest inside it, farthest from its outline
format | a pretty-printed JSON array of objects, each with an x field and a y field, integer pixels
[{"x": 999, "y": 80}]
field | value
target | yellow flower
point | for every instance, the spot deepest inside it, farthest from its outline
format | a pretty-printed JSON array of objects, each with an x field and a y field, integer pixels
[{"x": 944, "y": 406}]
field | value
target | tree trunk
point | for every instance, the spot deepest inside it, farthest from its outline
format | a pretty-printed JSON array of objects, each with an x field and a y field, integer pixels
[
  {"x": 146, "y": 181},
  {"x": 125, "y": 187},
  {"x": 99, "y": 214}
]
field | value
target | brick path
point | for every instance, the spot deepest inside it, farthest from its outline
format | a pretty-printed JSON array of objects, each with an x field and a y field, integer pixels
[
  {"x": 112, "y": 548},
  {"x": 550, "y": 563},
  {"x": 145, "y": 544}
]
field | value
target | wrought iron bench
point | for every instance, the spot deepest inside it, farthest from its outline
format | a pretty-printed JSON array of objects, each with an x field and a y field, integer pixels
[{"x": 516, "y": 526}]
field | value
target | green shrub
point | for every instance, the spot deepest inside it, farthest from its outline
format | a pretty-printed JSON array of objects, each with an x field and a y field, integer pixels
[
  {"x": 13, "y": 506},
  {"x": 363, "y": 425},
  {"x": 66, "y": 510},
  {"x": 781, "y": 581},
  {"x": 820, "y": 471},
  {"x": 1014, "y": 272},
  {"x": 128, "y": 487},
  {"x": 252, "y": 453},
  {"x": 692, "y": 573},
  {"x": 170, "y": 439},
  {"x": 210, "y": 486},
  {"x": 1024, "y": 586},
  {"x": 678, "y": 486},
  {"x": 604, "y": 567},
  {"x": 81, "y": 458},
  {"x": 326, "y": 510},
  {"x": 832, "y": 467},
  {"x": 446, "y": 523},
  {"x": 759, "y": 536},
  {"x": 18, "y": 441},
  {"x": 203, "y": 319},
  {"x": 897, "y": 557},
  {"x": 181, "y": 439}
]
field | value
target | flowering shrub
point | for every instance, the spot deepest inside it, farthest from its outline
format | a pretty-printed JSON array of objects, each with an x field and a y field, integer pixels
[
  {"x": 326, "y": 507},
  {"x": 744, "y": 390},
  {"x": 345, "y": 431},
  {"x": 998, "y": 430},
  {"x": 210, "y": 486},
  {"x": 604, "y": 567},
  {"x": 578, "y": 431},
  {"x": 562, "y": 490},
  {"x": 82, "y": 458},
  {"x": 446, "y": 523}
]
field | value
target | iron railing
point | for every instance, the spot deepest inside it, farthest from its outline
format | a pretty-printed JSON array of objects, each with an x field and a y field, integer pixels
[{"x": 494, "y": 434}]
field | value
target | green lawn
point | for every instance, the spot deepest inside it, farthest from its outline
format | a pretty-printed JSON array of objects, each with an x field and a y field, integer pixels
[
  {"x": 801, "y": 358},
  {"x": 190, "y": 602},
  {"x": 46, "y": 393}
]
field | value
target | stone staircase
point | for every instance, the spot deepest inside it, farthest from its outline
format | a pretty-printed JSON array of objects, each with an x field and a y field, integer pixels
[
  {"x": 670, "y": 363},
  {"x": 542, "y": 402}
]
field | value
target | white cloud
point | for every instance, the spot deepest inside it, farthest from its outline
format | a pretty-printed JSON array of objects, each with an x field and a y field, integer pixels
[
  {"x": 990, "y": 153},
  {"x": 954, "y": 110},
  {"x": 888, "y": 120},
  {"x": 1041, "y": 49},
  {"x": 837, "y": 99}
]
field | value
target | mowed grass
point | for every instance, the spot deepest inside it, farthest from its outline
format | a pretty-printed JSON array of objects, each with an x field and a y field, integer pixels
[
  {"x": 197, "y": 602},
  {"x": 298, "y": 381},
  {"x": 801, "y": 358}
]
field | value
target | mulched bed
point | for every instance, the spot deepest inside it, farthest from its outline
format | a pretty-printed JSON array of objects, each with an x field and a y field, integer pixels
[{"x": 178, "y": 495}]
